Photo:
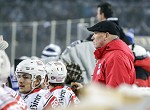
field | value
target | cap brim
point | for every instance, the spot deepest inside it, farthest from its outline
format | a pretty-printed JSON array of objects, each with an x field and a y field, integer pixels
[
  {"x": 95, "y": 28},
  {"x": 92, "y": 29}
]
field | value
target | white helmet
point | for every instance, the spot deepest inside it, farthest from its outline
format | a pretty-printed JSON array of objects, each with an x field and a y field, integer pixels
[
  {"x": 138, "y": 50},
  {"x": 33, "y": 67},
  {"x": 56, "y": 71}
]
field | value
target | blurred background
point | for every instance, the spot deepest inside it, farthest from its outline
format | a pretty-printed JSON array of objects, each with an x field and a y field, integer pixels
[{"x": 30, "y": 25}]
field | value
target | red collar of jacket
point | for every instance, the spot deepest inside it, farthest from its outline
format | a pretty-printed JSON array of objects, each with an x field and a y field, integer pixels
[
  {"x": 116, "y": 44},
  {"x": 98, "y": 52},
  {"x": 102, "y": 50}
]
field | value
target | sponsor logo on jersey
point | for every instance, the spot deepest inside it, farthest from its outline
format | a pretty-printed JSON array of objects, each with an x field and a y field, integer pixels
[
  {"x": 62, "y": 96},
  {"x": 47, "y": 95},
  {"x": 35, "y": 102}
]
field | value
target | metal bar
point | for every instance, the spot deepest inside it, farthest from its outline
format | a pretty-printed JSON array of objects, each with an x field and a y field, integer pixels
[
  {"x": 81, "y": 21},
  {"x": 13, "y": 44},
  {"x": 92, "y": 21},
  {"x": 34, "y": 39},
  {"x": 53, "y": 30},
  {"x": 68, "y": 33}
]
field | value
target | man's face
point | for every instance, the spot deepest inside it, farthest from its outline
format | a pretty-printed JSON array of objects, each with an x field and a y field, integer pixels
[
  {"x": 99, "y": 39},
  {"x": 24, "y": 82},
  {"x": 100, "y": 16}
]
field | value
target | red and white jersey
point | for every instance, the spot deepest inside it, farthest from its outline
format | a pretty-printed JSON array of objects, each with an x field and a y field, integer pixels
[
  {"x": 65, "y": 96},
  {"x": 40, "y": 99},
  {"x": 7, "y": 102},
  {"x": 15, "y": 95}
]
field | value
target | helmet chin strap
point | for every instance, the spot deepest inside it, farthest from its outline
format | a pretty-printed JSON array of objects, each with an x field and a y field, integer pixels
[{"x": 33, "y": 86}]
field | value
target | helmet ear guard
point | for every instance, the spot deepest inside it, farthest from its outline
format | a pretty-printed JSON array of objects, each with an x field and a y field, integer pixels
[{"x": 56, "y": 72}]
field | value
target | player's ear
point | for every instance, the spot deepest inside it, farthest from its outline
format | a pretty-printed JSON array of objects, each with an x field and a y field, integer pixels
[
  {"x": 106, "y": 36},
  {"x": 37, "y": 81}
]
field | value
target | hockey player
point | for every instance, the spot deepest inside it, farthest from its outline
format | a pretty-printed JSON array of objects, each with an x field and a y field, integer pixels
[
  {"x": 9, "y": 103},
  {"x": 141, "y": 64},
  {"x": 30, "y": 76},
  {"x": 57, "y": 74},
  {"x": 9, "y": 99}
]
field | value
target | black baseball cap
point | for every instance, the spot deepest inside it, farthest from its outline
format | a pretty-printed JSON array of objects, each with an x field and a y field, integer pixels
[{"x": 105, "y": 26}]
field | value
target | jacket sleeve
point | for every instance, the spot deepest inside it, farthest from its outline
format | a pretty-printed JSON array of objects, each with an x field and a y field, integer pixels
[{"x": 117, "y": 71}]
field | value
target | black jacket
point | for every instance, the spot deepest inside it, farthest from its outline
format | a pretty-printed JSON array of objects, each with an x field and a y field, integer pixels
[{"x": 122, "y": 34}]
